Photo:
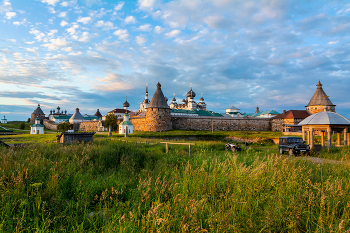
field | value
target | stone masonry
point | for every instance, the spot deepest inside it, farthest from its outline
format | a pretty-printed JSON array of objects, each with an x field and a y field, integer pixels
[
  {"x": 220, "y": 123},
  {"x": 158, "y": 119}
]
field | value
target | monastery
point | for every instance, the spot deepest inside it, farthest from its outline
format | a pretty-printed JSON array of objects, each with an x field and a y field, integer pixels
[{"x": 157, "y": 115}]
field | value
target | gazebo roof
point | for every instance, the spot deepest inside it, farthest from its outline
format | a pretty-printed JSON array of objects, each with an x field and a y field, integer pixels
[{"x": 325, "y": 118}]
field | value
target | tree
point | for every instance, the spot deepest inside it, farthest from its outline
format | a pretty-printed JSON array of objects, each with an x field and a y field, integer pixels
[
  {"x": 65, "y": 126},
  {"x": 22, "y": 125},
  {"x": 28, "y": 120},
  {"x": 111, "y": 123}
]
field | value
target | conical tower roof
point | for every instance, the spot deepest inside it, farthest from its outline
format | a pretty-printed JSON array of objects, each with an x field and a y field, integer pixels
[
  {"x": 158, "y": 99},
  {"x": 320, "y": 97},
  {"x": 98, "y": 114},
  {"x": 38, "y": 111},
  {"x": 77, "y": 115}
]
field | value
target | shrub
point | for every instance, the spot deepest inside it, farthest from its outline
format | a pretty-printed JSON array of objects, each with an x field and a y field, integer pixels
[{"x": 22, "y": 125}]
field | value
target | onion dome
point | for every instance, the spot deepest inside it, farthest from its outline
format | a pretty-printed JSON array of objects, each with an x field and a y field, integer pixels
[
  {"x": 126, "y": 104},
  {"x": 191, "y": 94},
  {"x": 58, "y": 108},
  {"x": 201, "y": 99},
  {"x": 174, "y": 99}
]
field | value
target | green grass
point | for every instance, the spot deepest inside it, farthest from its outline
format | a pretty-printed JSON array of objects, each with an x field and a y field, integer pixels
[{"x": 112, "y": 186}]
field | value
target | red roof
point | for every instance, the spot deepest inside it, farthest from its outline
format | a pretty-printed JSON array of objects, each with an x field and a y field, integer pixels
[
  {"x": 119, "y": 110},
  {"x": 293, "y": 114}
]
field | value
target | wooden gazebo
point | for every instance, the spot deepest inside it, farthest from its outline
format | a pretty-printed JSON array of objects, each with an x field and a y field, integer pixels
[{"x": 325, "y": 122}]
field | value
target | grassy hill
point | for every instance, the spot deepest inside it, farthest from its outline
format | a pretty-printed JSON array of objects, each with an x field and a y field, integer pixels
[{"x": 110, "y": 186}]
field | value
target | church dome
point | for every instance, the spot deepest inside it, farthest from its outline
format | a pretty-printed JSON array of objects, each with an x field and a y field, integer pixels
[
  {"x": 126, "y": 104},
  {"x": 191, "y": 94}
]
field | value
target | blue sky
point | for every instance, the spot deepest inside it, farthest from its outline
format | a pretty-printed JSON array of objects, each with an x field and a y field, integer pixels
[{"x": 92, "y": 53}]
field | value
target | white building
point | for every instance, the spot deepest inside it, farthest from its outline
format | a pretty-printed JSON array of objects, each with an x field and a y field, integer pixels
[
  {"x": 37, "y": 128},
  {"x": 145, "y": 102},
  {"x": 234, "y": 112},
  {"x": 126, "y": 125},
  {"x": 77, "y": 117},
  {"x": 4, "y": 120},
  {"x": 189, "y": 103}
]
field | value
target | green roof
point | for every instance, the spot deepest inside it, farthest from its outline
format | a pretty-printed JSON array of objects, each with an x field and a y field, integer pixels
[
  {"x": 62, "y": 117},
  {"x": 126, "y": 123},
  {"x": 271, "y": 112},
  {"x": 92, "y": 118},
  {"x": 37, "y": 125},
  {"x": 198, "y": 112}
]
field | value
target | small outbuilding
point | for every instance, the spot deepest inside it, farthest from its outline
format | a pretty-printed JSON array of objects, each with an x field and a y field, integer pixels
[
  {"x": 126, "y": 127},
  {"x": 37, "y": 128},
  {"x": 325, "y": 122},
  {"x": 4, "y": 120}
]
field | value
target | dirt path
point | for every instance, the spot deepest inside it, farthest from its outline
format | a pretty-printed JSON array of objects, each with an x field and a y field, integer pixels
[{"x": 320, "y": 160}]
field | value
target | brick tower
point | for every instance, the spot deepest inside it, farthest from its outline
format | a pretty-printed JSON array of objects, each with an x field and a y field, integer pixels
[{"x": 158, "y": 113}]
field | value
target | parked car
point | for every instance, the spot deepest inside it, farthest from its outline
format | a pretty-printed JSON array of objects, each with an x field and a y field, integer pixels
[
  {"x": 233, "y": 147},
  {"x": 293, "y": 145}
]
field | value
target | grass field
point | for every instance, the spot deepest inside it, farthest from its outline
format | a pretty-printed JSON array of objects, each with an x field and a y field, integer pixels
[{"x": 112, "y": 185}]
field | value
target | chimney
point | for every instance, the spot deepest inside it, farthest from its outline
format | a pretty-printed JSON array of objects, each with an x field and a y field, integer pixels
[{"x": 284, "y": 111}]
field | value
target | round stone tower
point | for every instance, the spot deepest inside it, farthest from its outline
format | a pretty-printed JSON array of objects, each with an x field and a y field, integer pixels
[
  {"x": 158, "y": 113},
  {"x": 320, "y": 101},
  {"x": 38, "y": 113}
]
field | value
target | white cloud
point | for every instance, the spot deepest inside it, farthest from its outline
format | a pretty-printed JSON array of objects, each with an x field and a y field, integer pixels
[
  {"x": 106, "y": 25},
  {"x": 145, "y": 28},
  {"x": 158, "y": 29},
  {"x": 122, "y": 34},
  {"x": 84, "y": 20},
  {"x": 146, "y": 4},
  {"x": 31, "y": 50},
  {"x": 64, "y": 4},
  {"x": 173, "y": 33},
  {"x": 52, "y": 10},
  {"x": 6, "y": 6},
  {"x": 52, "y": 32},
  {"x": 38, "y": 35},
  {"x": 130, "y": 19},
  {"x": 84, "y": 37},
  {"x": 75, "y": 54},
  {"x": 17, "y": 23},
  {"x": 57, "y": 44},
  {"x": 10, "y": 15},
  {"x": 333, "y": 42},
  {"x": 62, "y": 14},
  {"x": 119, "y": 6},
  {"x": 11, "y": 40},
  {"x": 140, "y": 40},
  {"x": 29, "y": 42},
  {"x": 63, "y": 23},
  {"x": 71, "y": 31},
  {"x": 67, "y": 49},
  {"x": 50, "y": 2}
]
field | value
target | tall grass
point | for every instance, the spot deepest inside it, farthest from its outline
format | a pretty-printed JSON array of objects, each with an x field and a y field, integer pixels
[{"x": 111, "y": 186}]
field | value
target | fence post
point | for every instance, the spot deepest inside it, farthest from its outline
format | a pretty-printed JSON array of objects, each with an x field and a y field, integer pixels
[
  {"x": 167, "y": 148},
  {"x": 189, "y": 150}
]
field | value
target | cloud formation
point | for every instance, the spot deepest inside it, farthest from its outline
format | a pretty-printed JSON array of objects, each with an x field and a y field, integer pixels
[{"x": 268, "y": 53}]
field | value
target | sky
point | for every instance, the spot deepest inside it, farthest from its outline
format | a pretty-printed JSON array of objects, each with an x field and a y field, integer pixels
[{"x": 91, "y": 54}]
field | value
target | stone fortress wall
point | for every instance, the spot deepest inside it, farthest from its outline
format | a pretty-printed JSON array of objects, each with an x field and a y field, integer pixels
[
  {"x": 50, "y": 124},
  {"x": 220, "y": 123},
  {"x": 206, "y": 123}
]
